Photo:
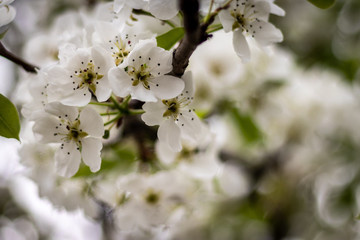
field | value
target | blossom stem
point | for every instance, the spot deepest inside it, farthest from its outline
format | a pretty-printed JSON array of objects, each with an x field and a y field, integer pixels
[
  {"x": 108, "y": 113},
  {"x": 113, "y": 120},
  {"x": 102, "y": 104},
  {"x": 209, "y": 13},
  {"x": 15, "y": 59},
  {"x": 116, "y": 103},
  {"x": 214, "y": 28},
  {"x": 145, "y": 13},
  {"x": 136, "y": 112}
]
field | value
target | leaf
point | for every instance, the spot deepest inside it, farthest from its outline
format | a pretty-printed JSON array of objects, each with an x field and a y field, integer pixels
[
  {"x": 246, "y": 126},
  {"x": 170, "y": 38},
  {"x": 323, "y": 4},
  {"x": 9, "y": 119}
]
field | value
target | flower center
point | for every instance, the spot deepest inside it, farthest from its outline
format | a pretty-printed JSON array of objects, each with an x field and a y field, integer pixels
[
  {"x": 173, "y": 107},
  {"x": 140, "y": 76},
  {"x": 75, "y": 134},
  {"x": 152, "y": 197},
  {"x": 89, "y": 77},
  {"x": 121, "y": 51}
]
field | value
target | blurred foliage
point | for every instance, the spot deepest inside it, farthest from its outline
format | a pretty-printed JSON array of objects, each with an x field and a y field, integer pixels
[{"x": 327, "y": 38}]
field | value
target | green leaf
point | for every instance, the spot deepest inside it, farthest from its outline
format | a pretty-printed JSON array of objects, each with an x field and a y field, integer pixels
[
  {"x": 168, "y": 39},
  {"x": 323, "y": 4},
  {"x": 246, "y": 126},
  {"x": 9, "y": 119}
]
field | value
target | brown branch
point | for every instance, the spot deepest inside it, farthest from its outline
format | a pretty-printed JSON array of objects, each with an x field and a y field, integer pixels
[
  {"x": 194, "y": 35},
  {"x": 15, "y": 59}
]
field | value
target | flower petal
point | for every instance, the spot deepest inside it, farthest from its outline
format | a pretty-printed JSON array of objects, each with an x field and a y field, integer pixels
[
  {"x": 153, "y": 113},
  {"x": 120, "y": 81},
  {"x": 67, "y": 159},
  {"x": 48, "y": 130},
  {"x": 62, "y": 111},
  {"x": 268, "y": 34},
  {"x": 169, "y": 133},
  {"x": 241, "y": 46},
  {"x": 163, "y": 9},
  {"x": 90, "y": 152},
  {"x": 78, "y": 97},
  {"x": 166, "y": 87},
  {"x": 226, "y": 20},
  {"x": 91, "y": 122},
  {"x": 7, "y": 14}
]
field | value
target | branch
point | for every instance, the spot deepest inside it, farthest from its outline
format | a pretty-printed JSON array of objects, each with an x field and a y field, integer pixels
[
  {"x": 15, "y": 59},
  {"x": 194, "y": 36},
  {"x": 195, "y": 33}
]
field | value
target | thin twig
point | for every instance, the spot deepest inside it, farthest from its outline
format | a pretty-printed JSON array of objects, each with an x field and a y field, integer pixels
[{"x": 15, "y": 59}]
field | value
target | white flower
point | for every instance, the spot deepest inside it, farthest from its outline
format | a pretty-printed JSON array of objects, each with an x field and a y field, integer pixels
[
  {"x": 7, "y": 12},
  {"x": 250, "y": 18},
  {"x": 84, "y": 73},
  {"x": 118, "y": 42},
  {"x": 79, "y": 134},
  {"x": 175, "y": 118},
  {"x": 142, "y": 74}
]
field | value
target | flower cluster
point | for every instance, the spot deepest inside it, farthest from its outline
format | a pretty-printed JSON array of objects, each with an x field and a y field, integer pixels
[{"x": 105, "y": 86}]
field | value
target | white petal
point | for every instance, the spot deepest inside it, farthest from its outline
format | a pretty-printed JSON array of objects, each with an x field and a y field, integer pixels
[
  {"x": 91, "y": 122},
  {"x": 78, "y": 97},
  {"x": 189, "y": 88},
  {"x": 169, "y": 133},
  {"x": 161, "y": 61},
  {"x": 48, "y": 130},
  {"x": 57, "y": 74},
  {"x": 163, "y": 9},
  {"x": 62, "y": 111},
  {"x": 241, "y": 46},
  {"x": 67, "y": 159},
  {"x": 140, "y": 93},
  {"x": 102, "y": 60},
  {"x": 190, "y": 125},
  {"x": 153, "y": 113},
  {"x": 103, "y": 90},
  {"x": 268, "y": 33},
  {"x": 90, "y": 152},
  {"x": 275, "y": 9},
  {"x": 120, "y": 81},
  {"x": 75, "y": 62},
  {"x": 166, "y": 87},
  {"x": 140, "y": 54},
  {"x": 226, "y": 20},
  {"x": 7, "y": 14}
]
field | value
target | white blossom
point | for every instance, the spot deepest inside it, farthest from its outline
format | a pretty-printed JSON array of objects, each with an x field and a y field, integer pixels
[
  {"x": 176, "y": 119},
  {"x": 249, "y": 18},
  {"x": 118, "y": 42},
  {"x": 142, "y": 74},
  {"x": 7, "y": 12},
  {"x": 83, "y": 74},
  {"x": 79, "y": 134}
]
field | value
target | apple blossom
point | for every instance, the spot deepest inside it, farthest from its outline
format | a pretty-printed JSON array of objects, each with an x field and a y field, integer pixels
[
  {"x": 78, "y": 132},
  {"x": 142, "y": 74},
  {"x": 249, "y": 18},
  {"x": 176, "y": 119}
]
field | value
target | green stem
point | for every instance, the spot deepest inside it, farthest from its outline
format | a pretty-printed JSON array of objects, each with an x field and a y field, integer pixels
[
  {"x": 209, "y": 12},
  {"x": 136, "y": 112},
  {"x": 214, "y": 28},
  {"x": 102, "y": 104},
  {"x": 108, "y": 113},
  {"x": 113, "y": 120},
  {"x": 145, "y": 13},
  {"x": 116, "y": 104}
]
